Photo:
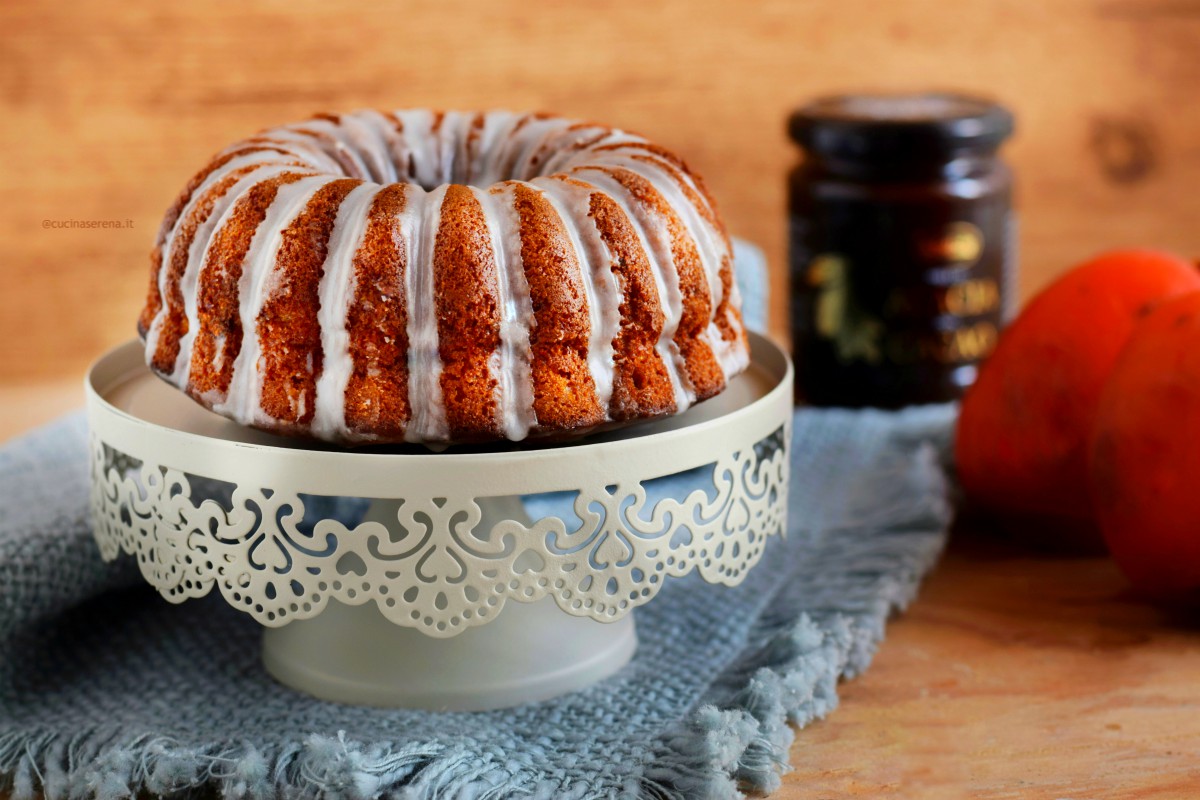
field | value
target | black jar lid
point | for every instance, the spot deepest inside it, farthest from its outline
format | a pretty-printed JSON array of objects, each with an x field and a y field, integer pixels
[{"x": 881, "y": 127}]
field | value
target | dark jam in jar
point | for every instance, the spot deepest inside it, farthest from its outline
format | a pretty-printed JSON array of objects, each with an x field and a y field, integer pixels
[{"x": 900, "y": 248}]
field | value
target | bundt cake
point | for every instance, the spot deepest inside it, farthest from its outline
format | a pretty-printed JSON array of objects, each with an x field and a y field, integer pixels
[{"x": 443, "y": 277}]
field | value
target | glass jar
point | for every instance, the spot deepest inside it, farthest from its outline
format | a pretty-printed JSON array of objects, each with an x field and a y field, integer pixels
[{"x": 901, "y": 246}]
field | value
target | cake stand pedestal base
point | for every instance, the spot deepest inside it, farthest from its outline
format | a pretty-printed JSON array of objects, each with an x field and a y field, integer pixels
[
  {"x": 533, "y": 651},
  {"x": 448, "y": 595}
]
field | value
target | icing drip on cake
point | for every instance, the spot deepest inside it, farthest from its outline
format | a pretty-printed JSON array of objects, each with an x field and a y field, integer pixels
[{"x": 438, "y": 277}]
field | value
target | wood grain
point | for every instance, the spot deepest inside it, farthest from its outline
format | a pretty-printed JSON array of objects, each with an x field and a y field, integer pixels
[
  {"x": 24, "y": 406},
  {"x": 108, "y": 109},
  {"x": 1015, "y": 676}
]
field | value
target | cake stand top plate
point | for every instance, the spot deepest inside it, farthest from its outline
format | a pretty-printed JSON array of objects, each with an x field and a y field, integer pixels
[{"x": 133, "y": 410}]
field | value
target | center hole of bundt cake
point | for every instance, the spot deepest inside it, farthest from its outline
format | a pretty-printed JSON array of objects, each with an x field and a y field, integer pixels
[
  {"x": 455, "y": 162},
  {"x": 455, "y": 152},
  {"x": 431, "y": 149}
]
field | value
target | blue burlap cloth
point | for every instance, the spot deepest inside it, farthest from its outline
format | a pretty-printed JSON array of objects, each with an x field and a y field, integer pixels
[{"x": 108, "y": 691}]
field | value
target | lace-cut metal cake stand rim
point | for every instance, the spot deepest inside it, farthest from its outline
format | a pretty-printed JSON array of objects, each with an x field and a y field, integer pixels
[{"x": 133, "y": 411}]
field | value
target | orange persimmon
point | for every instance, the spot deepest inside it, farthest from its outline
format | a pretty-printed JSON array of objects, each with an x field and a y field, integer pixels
[
  {"x": 1022, "y": 440},
  {"x": 1145, "y": 453}
]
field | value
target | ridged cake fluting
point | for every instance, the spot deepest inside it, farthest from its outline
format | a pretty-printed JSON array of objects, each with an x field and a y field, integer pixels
[{"x": 443, "y": 277}]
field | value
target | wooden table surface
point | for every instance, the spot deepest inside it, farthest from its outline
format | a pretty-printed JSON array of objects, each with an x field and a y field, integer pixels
[{"x": 1013, "y": 675}]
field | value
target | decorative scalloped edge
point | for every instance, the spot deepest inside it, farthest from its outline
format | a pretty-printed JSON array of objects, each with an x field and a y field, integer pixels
[{"x": 430, "y": 570}]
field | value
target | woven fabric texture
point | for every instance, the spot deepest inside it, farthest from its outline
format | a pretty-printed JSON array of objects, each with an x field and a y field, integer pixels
[{"x": 107, "y": 691}]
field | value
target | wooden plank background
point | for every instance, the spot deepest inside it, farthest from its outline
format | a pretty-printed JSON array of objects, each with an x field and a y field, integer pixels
[{"x": 108, "y": 108}]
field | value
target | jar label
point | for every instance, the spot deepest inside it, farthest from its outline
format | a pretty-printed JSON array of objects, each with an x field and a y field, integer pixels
[
  {"x": 959, "y": 245},
  {"x": 951, "y": 317},
  {"x": 837, "y": 317},
  {"x": 896, "y": 297}
]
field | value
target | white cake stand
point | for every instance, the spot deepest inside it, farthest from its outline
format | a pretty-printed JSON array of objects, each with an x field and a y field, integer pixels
[{"x": 409, "y": 605}]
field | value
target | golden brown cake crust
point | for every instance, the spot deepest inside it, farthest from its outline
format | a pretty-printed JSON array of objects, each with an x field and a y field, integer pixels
[
  {"x": 443, "y": 277},
  {"x": 641, "y": 384},
  {"x": 727, "y": 317},
  {"x": 377, "y": 323},
  {"x": 468, "y": 317},
  {"x": 175, "y": 324},
  {"x": 703, "y": 372},
  {"x": 219, "y": 338},
  {"x": 564, "y": 392},
  {"x": 154, "y": 297},
  {"x": 289, "y": 331}
]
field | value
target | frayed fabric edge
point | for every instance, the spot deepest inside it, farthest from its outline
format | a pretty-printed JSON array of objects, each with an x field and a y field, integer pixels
[
  {"x": 732, "y": 745},
  {"x": 49, "y": 766},
  {"x": 727, "y": 745}
]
